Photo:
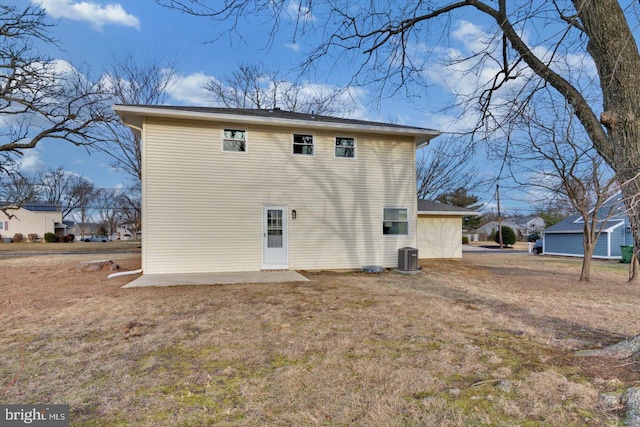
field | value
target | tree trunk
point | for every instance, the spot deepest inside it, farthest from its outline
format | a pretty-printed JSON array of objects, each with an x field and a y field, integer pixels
[
  {"x": 615, "y": 53},
  {"x": 634, "y": 276},
  {"x": 585, "y": 274}
]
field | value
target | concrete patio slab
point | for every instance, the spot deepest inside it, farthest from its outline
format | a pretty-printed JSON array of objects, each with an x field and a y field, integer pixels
[{"x": 216, "y": 278}]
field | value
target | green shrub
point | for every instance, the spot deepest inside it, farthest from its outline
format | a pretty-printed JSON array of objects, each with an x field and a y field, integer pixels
[
  {"x": 508, "y": 236},
  {"x": 17, "y": 238},
  {"x": 50, "y": 238},
  {"x": 465, "y": 240},
  {"x": 492, "y": 236}
]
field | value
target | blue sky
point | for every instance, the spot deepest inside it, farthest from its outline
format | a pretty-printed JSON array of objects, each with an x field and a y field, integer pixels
[{"x": 92, "y": 32}]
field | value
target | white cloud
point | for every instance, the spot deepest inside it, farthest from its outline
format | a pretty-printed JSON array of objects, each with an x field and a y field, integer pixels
[
  {"x": 31, "y": 162},
  {"x": 189, "y": 89},
  {"x": 293, "y": 46},
  {"x": 472, "y": 36},
  {"x": 95, "y": 14},
  {"x": 298, "y": 12}
]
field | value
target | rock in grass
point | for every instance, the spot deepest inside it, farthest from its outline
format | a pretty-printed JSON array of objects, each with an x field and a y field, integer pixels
[{"x": 97, "y": 265}]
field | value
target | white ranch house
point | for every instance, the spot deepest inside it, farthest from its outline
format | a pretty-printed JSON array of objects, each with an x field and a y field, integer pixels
[
  {"x": 33, "y": 219},
  {"x": 229, "y": 190}
]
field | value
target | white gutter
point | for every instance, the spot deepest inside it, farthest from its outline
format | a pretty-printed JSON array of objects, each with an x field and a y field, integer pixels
[{"x": 449, "y": 213}]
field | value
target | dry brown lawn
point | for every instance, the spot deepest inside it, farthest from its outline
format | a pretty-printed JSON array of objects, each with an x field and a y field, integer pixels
[{"x": 488, "y": 340}]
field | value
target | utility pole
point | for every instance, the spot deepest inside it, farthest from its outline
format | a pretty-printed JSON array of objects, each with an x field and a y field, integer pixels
[{"x": 499, "y": 217}]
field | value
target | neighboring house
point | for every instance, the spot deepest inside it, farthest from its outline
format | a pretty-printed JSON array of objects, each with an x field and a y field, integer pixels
[
  {"x": 440, "y": 229},
  {"x": 565, "y": 237},
  {"x": 530, "y": 224},
  {"x": 492, "y": 226},
  {"x": 33, "y": 218},
  {"x": 122, "y": 233},
  {"x": 245, "y": 190}
]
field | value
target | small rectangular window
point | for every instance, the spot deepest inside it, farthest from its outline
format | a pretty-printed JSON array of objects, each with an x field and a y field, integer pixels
[
  {"x": 345, "y": 147},
  {"x": 395, "y": 221},
  {"x": 234, "y": 140},
  {"x": 303, "y": 144}
]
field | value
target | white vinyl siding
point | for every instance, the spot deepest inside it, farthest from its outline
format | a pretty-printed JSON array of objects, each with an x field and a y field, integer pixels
[
  {"x": 439, "y": 236},
  {"x": 203, "y": 208}
]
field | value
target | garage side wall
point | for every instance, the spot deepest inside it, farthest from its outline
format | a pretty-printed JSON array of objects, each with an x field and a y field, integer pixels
[{"x": 439, "y": 236}]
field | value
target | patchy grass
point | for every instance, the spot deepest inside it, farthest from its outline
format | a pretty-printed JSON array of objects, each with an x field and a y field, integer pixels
[
  {"x": 483, "y": 341},
  {"x": 73, "y": 247}
]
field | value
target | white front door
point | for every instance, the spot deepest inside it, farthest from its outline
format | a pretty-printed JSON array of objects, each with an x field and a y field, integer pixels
[{"x": 274, "y": 240}]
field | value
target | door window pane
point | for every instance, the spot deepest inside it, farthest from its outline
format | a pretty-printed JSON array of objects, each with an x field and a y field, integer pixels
[{"x": 274, "y": 228}]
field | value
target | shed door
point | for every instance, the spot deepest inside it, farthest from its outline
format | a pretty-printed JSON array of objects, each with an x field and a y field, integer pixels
[{"x": 274, "y": 242}]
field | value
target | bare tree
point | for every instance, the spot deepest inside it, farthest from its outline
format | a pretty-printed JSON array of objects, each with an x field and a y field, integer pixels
[
  {"x": 41, "y": 98},
  {"x": 16, "y": 189},
  {"x": 106, "y": 203},
  {"x": 253, "y": 85},
  {"x": 130, "y": 207},
  {"x": 134, "y": 82},
  {"x": 65, "y": 188},
  {"x": 567, "y": 169},
  {"x": 442, "y": 168}
]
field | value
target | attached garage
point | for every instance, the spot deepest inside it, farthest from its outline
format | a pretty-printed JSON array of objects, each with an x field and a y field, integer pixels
[{"x": 439, "y": 229}]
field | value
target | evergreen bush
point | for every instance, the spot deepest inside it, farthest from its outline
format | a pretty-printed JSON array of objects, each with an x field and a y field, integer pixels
[
  {"x": 50, "y": 238},
  {"x": 508, "y": 236}
]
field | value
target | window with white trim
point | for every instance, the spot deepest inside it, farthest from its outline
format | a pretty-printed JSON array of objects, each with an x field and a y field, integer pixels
[
  {"x": 234, "y": 140},
  {"x": 395, "y": 221},
  {"x": 1, "y": 225},
  {"x": 345, "y": 147},
  {"x": 303, "y": 144}
]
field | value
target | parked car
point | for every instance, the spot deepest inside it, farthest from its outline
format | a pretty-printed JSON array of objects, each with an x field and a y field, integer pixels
[
  {"x": 537, "y": 247},
  {"x": 96, "y": 239}
]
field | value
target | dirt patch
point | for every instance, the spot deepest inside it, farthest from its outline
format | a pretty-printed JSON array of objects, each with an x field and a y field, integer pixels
[{"x": 485, "y": 340}]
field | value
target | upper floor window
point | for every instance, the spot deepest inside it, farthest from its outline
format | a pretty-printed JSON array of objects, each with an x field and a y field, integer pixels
[
  {"x": 345, "y": 147},
  {"x": 395, "y": 221},
  {"x": 303, "y": 144},
  {"x": 234, "y": 140}
]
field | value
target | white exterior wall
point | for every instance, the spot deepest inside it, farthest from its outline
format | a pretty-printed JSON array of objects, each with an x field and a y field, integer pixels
[
  {"x": 439, "y": 236},
  {"x": 27, "y": 222},
  {"x": 202, "y": 210}
]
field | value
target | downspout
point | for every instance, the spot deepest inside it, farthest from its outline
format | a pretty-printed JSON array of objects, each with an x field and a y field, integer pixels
[{"x": 124, "y": 273}]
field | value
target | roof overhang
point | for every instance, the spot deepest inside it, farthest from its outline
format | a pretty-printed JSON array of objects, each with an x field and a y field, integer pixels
[
  {"x": 133, "y": 116},
  {"x": 449, "y": 213},
  {"x": 580, "y": 231}
]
